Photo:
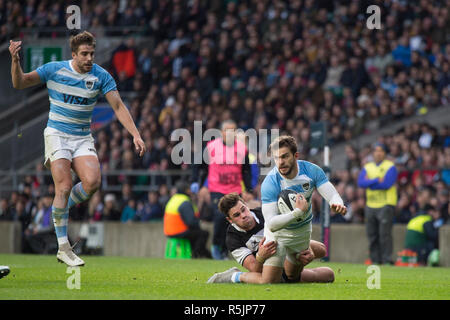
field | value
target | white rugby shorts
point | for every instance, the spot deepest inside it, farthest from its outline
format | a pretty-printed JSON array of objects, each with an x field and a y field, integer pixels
[
  {"x": 289, "y": 244},
  {"x": 60, "y": 145}
]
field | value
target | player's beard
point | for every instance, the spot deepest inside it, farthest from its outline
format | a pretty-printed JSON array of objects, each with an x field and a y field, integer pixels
[
  {"x": 84, "y": 67},
  {"x": 87, "y": 68},
  {"x": 289, "y": 171}
]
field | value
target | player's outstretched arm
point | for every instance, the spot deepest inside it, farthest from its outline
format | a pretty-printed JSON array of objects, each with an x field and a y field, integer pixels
[
  {"x": 20, "y": 80},
  {"x": 330, "y": 194},
  {"x": 124, "y": 116}
]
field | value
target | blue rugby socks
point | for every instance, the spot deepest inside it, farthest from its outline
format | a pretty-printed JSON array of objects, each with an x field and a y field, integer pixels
[
  {"x": 235, "y": 277},
  {"x": 77, "y": 195},
  {"x": 60, "y": 219},
  {"x": 61, "y": 215}
]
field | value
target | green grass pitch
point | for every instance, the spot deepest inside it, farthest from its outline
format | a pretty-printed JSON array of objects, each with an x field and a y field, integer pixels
[{"x": 41, "y": 277}]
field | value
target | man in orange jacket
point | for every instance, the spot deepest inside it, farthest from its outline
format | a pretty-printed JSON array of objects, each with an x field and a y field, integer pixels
[{"x": 181, "y": 221}]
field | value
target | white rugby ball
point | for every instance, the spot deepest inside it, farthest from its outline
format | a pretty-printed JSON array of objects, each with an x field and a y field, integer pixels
[{"x": 286, "y": 201}]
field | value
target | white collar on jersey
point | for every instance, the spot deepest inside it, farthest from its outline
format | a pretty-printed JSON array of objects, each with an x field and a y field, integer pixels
[{"x": 73, "y": 69}]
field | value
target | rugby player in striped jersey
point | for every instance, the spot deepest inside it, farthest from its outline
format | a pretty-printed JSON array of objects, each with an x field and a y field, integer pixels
[{"x": 73, "y": 89}]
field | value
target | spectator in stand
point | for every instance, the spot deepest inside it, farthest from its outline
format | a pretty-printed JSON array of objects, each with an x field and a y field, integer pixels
[
  {"x": 40, "y": 234},
  {"x": 129, "y": 211},
  {"x": 164, "y": 195},
  {"x": 150, "y": 209},
  {"x": 403, "y": 210},
  {"x": 124, "y": 60},
  {"x": 145, "y": 63},
  {"x": 422, "y": 201},
  {"x": 95, "y": 208},
  {"x": 445, "y": 172},
  {"x": 402, "y": 52},
  {"x": 443, "y": 203},
  {"x": 110, "y": 210},
  {"x": 5, "y": 211},
  {"x": 334, "y": 74},
  {"x": 354, "y": 76},
  {"x": 125, "y": 196}
]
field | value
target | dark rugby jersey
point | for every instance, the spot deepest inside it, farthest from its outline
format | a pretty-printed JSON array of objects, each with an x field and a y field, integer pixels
[{"x": 243, "y": 243}]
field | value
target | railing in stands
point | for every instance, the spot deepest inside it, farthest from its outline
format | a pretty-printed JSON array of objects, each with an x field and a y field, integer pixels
[
  {"x": 112, "y": 180},
  {"x": 100, "y": 31},
  {"x": 147, "y": 180}
]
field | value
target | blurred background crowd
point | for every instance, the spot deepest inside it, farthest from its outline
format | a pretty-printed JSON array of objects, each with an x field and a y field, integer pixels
[{"x": 266, "y": 65}]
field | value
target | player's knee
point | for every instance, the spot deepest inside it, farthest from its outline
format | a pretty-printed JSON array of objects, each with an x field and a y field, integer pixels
[
  {"x": 319, "y": 250},
  {"x": 91, "y": 184},
  {"x": 329, "y": 275},
  {"x": 270, "y": 279},
  {"x": 62, "y": 191},
  {"x": 322, "y": 251}
]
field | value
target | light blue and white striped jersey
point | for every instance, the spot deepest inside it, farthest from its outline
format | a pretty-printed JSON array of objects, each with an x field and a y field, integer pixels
[
  {"x": 310, "y": 176},
  {"x": 73, "y": 95}
]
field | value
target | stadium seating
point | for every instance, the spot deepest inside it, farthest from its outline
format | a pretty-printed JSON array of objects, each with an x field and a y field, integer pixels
[{"x": 275, "y": 64}]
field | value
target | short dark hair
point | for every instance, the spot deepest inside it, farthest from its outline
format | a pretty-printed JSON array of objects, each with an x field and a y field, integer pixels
[
  {"x": 182, "y": 186},
  {"x": 79, "y": 39},
  {"x": 284, "y": 141},
  {"x": 228, "y": 201},
  {"x": 382, "y": 146}
]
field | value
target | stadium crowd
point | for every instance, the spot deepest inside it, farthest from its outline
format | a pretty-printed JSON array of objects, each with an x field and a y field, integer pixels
[{"x": 265, "y": 64}]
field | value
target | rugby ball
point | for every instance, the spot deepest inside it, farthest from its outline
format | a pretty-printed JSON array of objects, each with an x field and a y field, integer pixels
[
  {"x": 286, "y": 201},
  {"x": 4, "y": 271}
]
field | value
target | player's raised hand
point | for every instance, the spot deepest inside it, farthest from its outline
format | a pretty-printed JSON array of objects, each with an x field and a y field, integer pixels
[
  {"x": 140, "y": 145},
  {"x": 301, "y": 203},
  {"x": 339, "y": 208},
  {"x": 14, "y": 48}
]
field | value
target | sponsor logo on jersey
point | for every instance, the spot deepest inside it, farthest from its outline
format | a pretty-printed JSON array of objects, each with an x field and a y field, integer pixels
[{"x": 74, "y": 99}]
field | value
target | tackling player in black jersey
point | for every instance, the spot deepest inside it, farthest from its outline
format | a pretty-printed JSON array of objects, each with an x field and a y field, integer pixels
[{"x": 245, "y": 240}]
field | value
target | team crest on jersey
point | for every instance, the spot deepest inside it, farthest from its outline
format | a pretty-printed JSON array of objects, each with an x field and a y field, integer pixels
[
  {"x": 306, "y": 186},
  {"x": 253, "y": 242},
  {"x": 89, "y": 84}
]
